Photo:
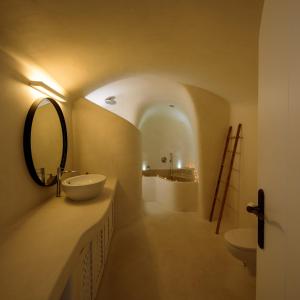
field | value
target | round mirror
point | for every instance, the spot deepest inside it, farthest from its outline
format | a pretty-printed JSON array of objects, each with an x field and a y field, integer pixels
[{"x": 45, "y": 141}]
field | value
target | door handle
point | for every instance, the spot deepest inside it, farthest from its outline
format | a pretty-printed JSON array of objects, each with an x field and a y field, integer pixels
[{"x": 259, "y": 211}]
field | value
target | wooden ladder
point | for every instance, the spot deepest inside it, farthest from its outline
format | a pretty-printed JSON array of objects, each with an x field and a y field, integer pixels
[
  {"x": 220, "y": 174},
  {"x": 227, "y": 183}
]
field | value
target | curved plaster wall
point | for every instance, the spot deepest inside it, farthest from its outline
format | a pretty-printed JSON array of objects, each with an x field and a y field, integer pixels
[
  {"x": 139, "y": 96},
  {"x": 208, "y": 115},
  {"x": 107, "y": 144}
]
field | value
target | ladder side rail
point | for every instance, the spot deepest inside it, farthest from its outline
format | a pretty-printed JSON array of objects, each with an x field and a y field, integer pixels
[
  {"x": 220, "y": 174},
  {"x": 228, "y": 178}
]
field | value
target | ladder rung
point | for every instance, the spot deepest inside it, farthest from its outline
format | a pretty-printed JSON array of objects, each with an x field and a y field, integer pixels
[
  {"x": 231, "y": 168},
  {"x": 230, "y": 185},
  {"x": 234, "y": 187},
  {"x": 235, "y": 152}
]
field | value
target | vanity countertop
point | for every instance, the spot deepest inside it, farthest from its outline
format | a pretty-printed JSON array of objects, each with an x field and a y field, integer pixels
[{"x": 37, "y": 255}]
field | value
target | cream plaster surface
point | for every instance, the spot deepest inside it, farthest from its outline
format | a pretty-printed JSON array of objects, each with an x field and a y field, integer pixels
[
  {"x": 39, "y": 253},
  {"x": 173, "y": 256},
  {"x": 107, "y": 144},
  {"x": 213, "y": 117},
  {"x": 83, "y": 45},
  {"x": 137, "y": 96},
  {"x": 208, "y": 115},
  {"x": 18, "y": 192},
  {"x": 172, "y": 195}
]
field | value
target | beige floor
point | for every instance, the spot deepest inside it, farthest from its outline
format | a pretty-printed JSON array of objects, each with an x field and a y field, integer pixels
[{"x": 173, "y": 256}]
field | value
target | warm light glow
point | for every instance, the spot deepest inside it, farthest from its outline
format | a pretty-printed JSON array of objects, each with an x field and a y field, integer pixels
[
  {"x": 196, "y": 176},
  {"x": 33, "y": 72},
  {"x": 46, "y": 90},
  {"x": 144, "y": 167},
  {"x": 179, "y": 164},
  {"x": 190, "y": 165}
]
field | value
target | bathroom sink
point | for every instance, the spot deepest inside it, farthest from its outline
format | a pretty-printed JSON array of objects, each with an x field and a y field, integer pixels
[{"x": 83, "y": 187}]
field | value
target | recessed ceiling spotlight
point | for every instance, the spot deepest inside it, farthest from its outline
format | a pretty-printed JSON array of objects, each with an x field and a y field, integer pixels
[
  {"x": 110, "y": 100},
  {"x": 171, "y": 105}
]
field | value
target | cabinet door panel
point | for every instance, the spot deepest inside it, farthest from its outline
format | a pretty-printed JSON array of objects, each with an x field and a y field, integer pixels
[
  {"x": 98, "y": 259},
  {"x": 81, "y": 281}
]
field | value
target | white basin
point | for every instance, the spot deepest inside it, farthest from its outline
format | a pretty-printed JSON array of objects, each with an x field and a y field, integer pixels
[{"x": 83, "y": 187}]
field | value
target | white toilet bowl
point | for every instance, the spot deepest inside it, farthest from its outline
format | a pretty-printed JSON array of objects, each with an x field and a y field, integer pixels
[{"x": 241, "y": 243}]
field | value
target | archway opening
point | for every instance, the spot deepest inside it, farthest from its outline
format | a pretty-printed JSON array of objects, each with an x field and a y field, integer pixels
[{"x": 163, "y": 111}]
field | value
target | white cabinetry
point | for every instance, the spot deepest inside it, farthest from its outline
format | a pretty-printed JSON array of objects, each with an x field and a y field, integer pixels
[
  {"x": 86, "y": 277},
  {"x": 81, "y": 279}
]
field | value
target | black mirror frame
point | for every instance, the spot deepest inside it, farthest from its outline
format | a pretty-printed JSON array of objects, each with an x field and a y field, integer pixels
[{"x": 27, "y": 140}]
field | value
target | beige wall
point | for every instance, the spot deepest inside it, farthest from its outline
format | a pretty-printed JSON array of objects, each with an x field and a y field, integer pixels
[
  {"x": 243, "y": 186},
  {"x": 214, "y": 116},
  {"x": 107, "y": 144},
  {"x": 18, "y": 192},
  {"x": 213, "y": 121}
]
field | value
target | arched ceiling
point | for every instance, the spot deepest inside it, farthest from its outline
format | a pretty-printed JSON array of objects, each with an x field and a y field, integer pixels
[
  {"x": 211, "y": 44},
  {"x": 134, "y": 96}
]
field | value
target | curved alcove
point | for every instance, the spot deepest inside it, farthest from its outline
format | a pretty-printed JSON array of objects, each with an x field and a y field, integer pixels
[
  {"x": 135, "y": 95},
  {"x": 163, "y": 111},
  {"x": 136, "y": 98},
  {"x": 167, "y": 131},
  {"x": 203, "y": 116}
]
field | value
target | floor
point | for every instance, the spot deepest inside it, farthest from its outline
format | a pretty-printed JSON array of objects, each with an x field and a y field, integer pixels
[{"x": 173, "y": 256}]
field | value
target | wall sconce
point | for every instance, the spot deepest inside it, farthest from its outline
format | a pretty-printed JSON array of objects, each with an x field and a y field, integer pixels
[{"x": 47, "y": 90}]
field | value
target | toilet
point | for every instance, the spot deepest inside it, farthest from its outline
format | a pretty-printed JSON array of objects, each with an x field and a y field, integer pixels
[{"x": 241, "y": 243}]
